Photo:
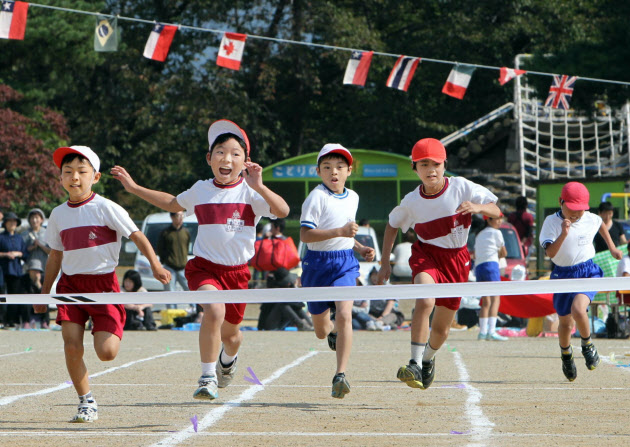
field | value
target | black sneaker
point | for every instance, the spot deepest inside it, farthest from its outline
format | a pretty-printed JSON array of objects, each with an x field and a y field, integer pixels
[
  {"x": 332, "y": 341},
  {"x": 568, "y": 367},
  {"x": 340, "y": 386},
  {"x": 411, "y": 374},
  {"x": 590, "y": 356},
  {"x": 428, "y": 373}
]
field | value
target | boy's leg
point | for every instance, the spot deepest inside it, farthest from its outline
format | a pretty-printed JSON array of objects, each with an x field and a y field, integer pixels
[
  {"x": 440, "y": 327},
  {"x": 232, "y": 337},
  {"x": 343, "y": 319},
  {"x": 322, "y": 324},
  {"x": 106, "y": 345},
  {"x": 72, "y": 334},
  {"x": 209, "y": 347},
  {"x": 565, "y": 326},
  {"x": 580, "y": 315}
]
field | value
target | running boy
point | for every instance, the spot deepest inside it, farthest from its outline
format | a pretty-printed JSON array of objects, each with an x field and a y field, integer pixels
[
  {"x": 327, "y": 227},
  {"x": 567, "y": 238},
  {"x": 440, "y": 211},
  {"x": 228, "y": 208},
  {"x": 84, "y": 235}
]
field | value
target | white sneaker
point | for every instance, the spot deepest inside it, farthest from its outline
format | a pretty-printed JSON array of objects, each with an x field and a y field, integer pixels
[
  {"x": 496, "y": 337},
  {"x": 207, "y": 388},
  {"x": 225, "y": 374},
  {"x": 370, "y": 325},
  {"x": 86, "y": 412}
]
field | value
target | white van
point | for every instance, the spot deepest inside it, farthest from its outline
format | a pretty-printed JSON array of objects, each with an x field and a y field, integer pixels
[{"x": 152, "y": 226}]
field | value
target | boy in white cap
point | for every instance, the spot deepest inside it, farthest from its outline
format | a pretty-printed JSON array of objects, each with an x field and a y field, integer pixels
[
  {"x": 440, "y": 212},
  {"x": 567, "y": 238},
  {"x": 227, "y": 207},
  {"x": 327, "y": 227},
  {"x": 84, "y": 235}
]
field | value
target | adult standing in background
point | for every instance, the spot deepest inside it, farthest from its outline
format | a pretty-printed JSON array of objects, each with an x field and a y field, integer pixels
[
  {"x": 12, "y": 251},
  {"x": 523, "y": 222},
  {"x": 36, "y": 245},
  {"x": 615, "y": 229},
  {"x": 172, "y": 248}
]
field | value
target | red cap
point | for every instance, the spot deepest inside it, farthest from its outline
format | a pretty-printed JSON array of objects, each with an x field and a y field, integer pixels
[
  {"x": 575, "y": 196},
  {"x": 428, "y": 148},
  {"x": 486, "y": 217}
]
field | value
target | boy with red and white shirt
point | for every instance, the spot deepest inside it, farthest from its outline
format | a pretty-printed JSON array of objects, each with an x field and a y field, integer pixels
[
  {"x": 228, "y": 208},
  {"x": 84, "y": 235},
  {"x": 440, "y": 211}
]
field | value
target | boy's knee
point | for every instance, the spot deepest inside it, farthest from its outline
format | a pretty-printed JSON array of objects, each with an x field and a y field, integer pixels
[
  {"x": 106, "y": 355},
  {"x": 320, "y": 333},
  {"x": 73, "y": 349}
]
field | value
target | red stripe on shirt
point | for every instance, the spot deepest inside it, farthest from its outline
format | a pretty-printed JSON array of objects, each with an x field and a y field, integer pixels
[
  {"x": 442, "y": 226},
  {"x": 88, "y": 236},
  {"x": 219, "y": 213}
]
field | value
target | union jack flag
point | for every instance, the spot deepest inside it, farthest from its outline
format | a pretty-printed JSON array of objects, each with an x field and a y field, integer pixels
[{"x": 560, "y": 92}]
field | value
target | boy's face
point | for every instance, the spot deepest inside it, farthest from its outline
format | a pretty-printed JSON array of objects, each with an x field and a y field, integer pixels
[
  {"x": 227, "y": 161},
  {"x": 334, "y": 173},
  {"x": 77, "y": 177},
  {"x": 495, "y": 222},
  {"x": 572, "y": 215},
  {"x": 430, "y": 172}
]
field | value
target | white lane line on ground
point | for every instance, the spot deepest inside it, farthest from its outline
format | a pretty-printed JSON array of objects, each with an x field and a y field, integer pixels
[
  {"x": 481, "y": 425},
  {"x": 623, "y": 359},
  {"x": 10, "y": 399},
  {"x": 215, "y": 415},
  {"x": 16, "y": 353}
]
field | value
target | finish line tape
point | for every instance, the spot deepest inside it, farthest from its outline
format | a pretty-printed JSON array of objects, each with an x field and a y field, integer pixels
[{"x": 401, "y": 292}]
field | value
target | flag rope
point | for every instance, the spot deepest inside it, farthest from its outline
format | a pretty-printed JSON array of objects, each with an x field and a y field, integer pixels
[{"x": 310, "y": 44}]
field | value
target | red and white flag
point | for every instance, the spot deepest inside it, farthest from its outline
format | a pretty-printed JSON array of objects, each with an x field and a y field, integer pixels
[
  {"x": 403, "y": 71},
  {"x": 159, "y": 42},
  {"x": 13, "y": 20},
  {"x": 458, "y": 81},
  {"x": 231, "y": 50},
  {"x": 358, "y": 67},
  {"x": 507, "y": 74}
]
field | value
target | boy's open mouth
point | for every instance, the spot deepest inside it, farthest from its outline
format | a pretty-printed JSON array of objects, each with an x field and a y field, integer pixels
[{"x": 225, "y": 171}]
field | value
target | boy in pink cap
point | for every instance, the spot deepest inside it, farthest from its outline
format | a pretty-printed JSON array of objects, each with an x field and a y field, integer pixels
[
  {"x": 567, "y": 238},
  {"x": 440, "y": 212},
  {"x": 227, "y": 207}
]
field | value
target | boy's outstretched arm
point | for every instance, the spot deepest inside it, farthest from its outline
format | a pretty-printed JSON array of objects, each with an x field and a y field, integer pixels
[
  {"x": 253, "y": 177},
  {"x": 388, "y": 242},
  {"x": 488, "y": 209},
  {"x": 143, "y": 244},
  {"x": 308, "y": 235},
  {"x": 166, "y": 201},
  {"x": 53, "y": 265},
  {"x": 614, "y": 251}
]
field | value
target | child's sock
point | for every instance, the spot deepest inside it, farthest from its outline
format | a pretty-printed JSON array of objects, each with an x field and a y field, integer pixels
[
  {"x": 87, "y": 398},
  {"x": 209, "y": 369},
  {"x": 483, "y": 325},
  {"x": 416, "y": 351},
  {"x": 567, "y": 350},
  {"x": 586, "y": 341},
  {"x": 492, "y": 325},
  {"x": 429, "y": 352},
  {"x": 227, "y": 360}
]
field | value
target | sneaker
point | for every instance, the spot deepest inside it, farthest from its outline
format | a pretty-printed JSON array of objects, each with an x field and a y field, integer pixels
[
  {"x": 496, "y": 337},
  {"x": 340, "y": 386},
  {"x": 568, "y": 367},
  {"x": 86, "y": 412},
  {"x": 482, "y": 336},
  {"x": 590, "y": 356},
  {"x": 332, "y": 341},
  {"x": 428, "y": 373},
  {"x": 411, "y": 374},
  {"x": 370, "y": 325},
  {"x": 225, "y": 374},
  {"x": 207, "y": 388}
]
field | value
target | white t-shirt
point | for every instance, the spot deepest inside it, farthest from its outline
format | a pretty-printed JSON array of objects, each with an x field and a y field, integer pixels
[
  {"x": 402, "y": 253},
  {"x": 323, "y": 209},
  {"x": 227, "y": 217},
  {"x": 487, "y": 245},
  {"x": 623, "y": 266},
  {"x": 89, "y": 234},
  {"x": 578, "y": 246},
  {"x": 434, "y": 218}
]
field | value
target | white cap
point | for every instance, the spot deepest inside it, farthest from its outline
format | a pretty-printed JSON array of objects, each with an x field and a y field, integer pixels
[
  {"x": 82, "y": 150},
  {"x": 221, "y": 127},
  {"x": 335, "y": 148}
]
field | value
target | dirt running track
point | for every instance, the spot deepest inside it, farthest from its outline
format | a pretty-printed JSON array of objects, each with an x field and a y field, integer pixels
[{"x": 485, "y": 393}]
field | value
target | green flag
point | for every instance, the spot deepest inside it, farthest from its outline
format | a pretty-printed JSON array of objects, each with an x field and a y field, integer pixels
[{"x": 106, "y": 34}]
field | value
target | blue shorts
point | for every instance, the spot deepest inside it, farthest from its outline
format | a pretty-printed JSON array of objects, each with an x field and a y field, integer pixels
[
  {"x": 488, "y": 271},
  {"x": 328, "y": 269},
  {"x": 562, "y": 302}
]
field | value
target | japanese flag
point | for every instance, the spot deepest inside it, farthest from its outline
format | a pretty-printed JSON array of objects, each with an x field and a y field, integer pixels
[
  {"x": 13, "y": 20},
  {"x": 231, "y": 50}
]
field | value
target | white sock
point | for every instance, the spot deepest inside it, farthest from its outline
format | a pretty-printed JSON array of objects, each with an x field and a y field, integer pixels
[
  {"x": 227, "y": 359},
  {"x": 209, "y": 369},
  {"x": 417, "y": 349},
  {"x": 483, "y": 325},
  {"x": 87, "y": 398},
  {"x": 492, "y": 325},
  {"x": 429, "y": 352}
]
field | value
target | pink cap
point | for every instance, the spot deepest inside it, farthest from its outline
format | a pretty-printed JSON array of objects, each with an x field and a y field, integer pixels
[
  {"x": 82, "y": 150},
  {"x": 335, "y": 148},
  {"x": 575, "y": 196},
  {"x": 221, "y": 127},
  {"x": 428, "y": 148}
]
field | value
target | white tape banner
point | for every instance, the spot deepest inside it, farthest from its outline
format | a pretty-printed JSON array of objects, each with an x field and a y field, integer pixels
[{"x": 401, "y": 292}]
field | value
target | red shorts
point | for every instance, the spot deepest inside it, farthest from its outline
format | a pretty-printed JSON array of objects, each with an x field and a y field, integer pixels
[
  {"x": 200, "y": 271},
  {"x": 445, "y": 265},
  {"x": 105, "y": 317}
]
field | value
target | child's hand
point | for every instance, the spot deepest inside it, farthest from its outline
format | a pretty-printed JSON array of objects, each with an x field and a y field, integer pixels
[
  {"x": 162, "y": 275},
  {"x": 349, "y": 229},
  {"x": 616, "y": 253},
  {"x": 40, "y": 308},
  {"x": 121, "y": 174},
  {"x": 368, "y": 253},
  {"x": 468, "y": 208},
  {"x": 566, "y": 224},
  {"x": 253, "y": 174},
  {"x": 383, "y": 273}
]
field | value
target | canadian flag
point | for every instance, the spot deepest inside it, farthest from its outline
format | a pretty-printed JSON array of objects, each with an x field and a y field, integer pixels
[
  {"x": 13, "y": 20},
  {"x": 231, "y": 50},
  {"x": 507, "y": 74},
  {"x": 159, "y": 42}
]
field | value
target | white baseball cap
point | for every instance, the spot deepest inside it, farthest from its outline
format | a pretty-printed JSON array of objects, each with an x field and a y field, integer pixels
[
  {"x": 81, "y": 150},
  {"x": 221, "y": 127},
  {"x": 335, "y": 148}
]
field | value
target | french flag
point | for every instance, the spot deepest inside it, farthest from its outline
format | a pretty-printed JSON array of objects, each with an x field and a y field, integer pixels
[
  {"x": 458, "y": 81},
  {"x": 159, "y": 42},
  {"x": 507, "y": 74},
  {"x": 403, "y": 71},
  {"x": 358, "y": 67},
  {"x": 13, "y": 20}
]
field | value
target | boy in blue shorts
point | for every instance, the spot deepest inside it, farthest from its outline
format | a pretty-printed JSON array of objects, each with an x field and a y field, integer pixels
[
  {"x": 327, "y": 228},
  {"x": 567, "y": 238}
]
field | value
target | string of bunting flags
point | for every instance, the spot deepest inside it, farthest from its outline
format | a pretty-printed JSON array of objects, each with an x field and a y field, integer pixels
[{"x": 13, "y": 17}]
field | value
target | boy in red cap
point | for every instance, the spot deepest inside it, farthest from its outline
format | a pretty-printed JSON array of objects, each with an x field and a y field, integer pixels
[
  {"x": 84, "y": 235},
  {"x": 567, "y": 238},
  {"x": 227, "y": 207},
  {"x": 440, "y": 212}
]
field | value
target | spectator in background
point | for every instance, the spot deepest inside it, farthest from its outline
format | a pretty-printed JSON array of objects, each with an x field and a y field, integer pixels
[
  {"x": 139, "y": 316},
  {"x": 384, "y": 312},
  {"x": 12, "y": 252},
  {"x": 364, "y": 223},
  {"x": 172, "y": 248},
  {"x": 34, "y": 237},
  {"x": 523, "y": 222},
  {"x": 31, "y": 283},
  {"x": 615, "y": 229},
  {"x": 402, "y": 253},
  {"x": 277, "y": 316},
  {"x": 277, "y": 229}
]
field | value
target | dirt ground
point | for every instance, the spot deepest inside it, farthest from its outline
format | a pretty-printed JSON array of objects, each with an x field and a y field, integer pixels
[{"x": 484, "y": 394}]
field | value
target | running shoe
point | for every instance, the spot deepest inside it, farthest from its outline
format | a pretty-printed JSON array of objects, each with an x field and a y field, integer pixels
[
  {"x": 340, "y": 386},
  {"x": 496, "y": 337},
  {"x": 568, "y": 367},
  {"x": 411, "y": 374},
  {"x": 207, "y": 388},
  {"x": 332, "y": 341},
  {"x": 482, "y": 336},
  {"x": 428, "y": 373},
  {"x": 86, "y": 412},
  {"x": 225, "y": 374},
  {"x": 590, "y": 356}
]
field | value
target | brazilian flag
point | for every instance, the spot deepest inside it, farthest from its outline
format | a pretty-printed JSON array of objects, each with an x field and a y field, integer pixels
[{"x": 106, "y": 34}]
